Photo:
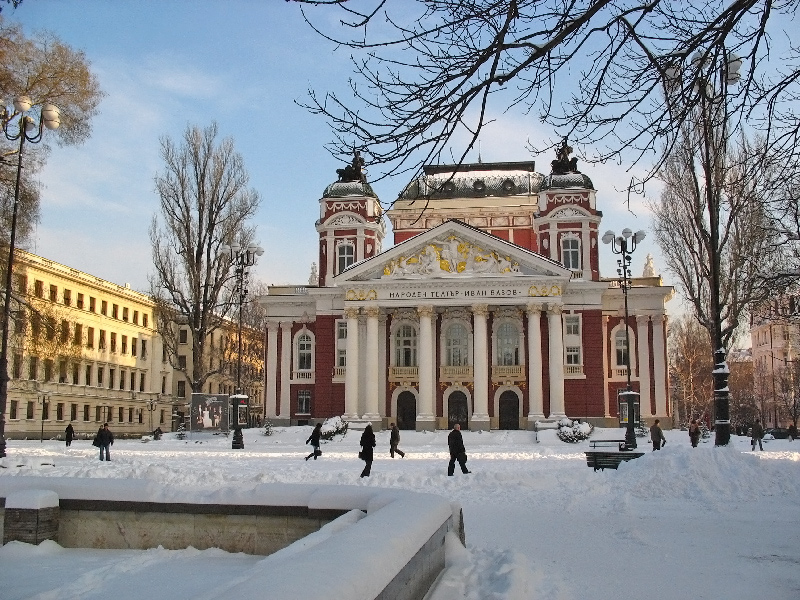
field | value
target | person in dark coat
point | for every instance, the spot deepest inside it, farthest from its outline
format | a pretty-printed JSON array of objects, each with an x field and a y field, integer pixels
[
  {"x": 394, "y": 441},
  {"x": 105, "y": 439},
  {"x": 69, "y": 434},
  {"x": 367, "y": 444},
  {"x": 756, "y": 435},
  {"x": 457, "y": 451},
  {"x": 657, "y": 436},
  {"x": 792, "y": 432},
  {"x": 313, "y": 439},
  {"x": 694, "y": 433}
]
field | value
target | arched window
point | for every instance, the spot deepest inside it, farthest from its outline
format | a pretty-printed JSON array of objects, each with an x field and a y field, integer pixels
[
  {"x": 457, "y": 342},
  {"x": 621, "y": 346},
  {"x": 507, "y": 344},
  {"x": 346, "y": 256},
  {"x": 304, "y": 352},
  {"x": 405, "y": 346},
  {"x": 570, "y": 252}
]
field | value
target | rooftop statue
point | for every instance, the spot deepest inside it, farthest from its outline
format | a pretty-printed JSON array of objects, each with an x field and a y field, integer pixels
[
  {"x": 354, "y": 171},
  {"x": 563, "y": 164}
]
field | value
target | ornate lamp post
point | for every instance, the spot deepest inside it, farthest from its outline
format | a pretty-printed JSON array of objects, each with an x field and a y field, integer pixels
[
  {"x": 151, "y": 406},
  {"x": 29, "y": 131},
  {"x": 242, "y": 259},
  {"x": 624, "y": 245}
]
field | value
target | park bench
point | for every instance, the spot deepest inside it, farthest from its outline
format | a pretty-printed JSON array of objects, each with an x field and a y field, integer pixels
[{"x": 607, "y": 454}]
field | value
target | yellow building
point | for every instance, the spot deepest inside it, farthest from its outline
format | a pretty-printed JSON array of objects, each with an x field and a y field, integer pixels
[{"x": 82, "y": 350}]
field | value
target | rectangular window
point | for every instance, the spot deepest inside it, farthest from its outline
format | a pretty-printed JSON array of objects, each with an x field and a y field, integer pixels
[
  {"x": 85, "y": 412},
  {"x": 121, "y": 414},
  {"x": 16, "y": 368},
  {"x": 77, "y": 337},
  {"x": 48, "y": 369},
  {"x": 100, "y": 373},
  {"x": 101, "y": 340},
  {"x": 163, "y": 385},
  {"x": 163, "y": 416},
  {"x": 136, "y": 317},
  {"x": 122, "y": 375},
  {"x": 14, "y": 410},
  {"x": 45, "y": 411},
  {"x": 67, "y": 297},
  {"x": 144, "y": 348},
  {"x": 182, "y": 362},
  {"x": 53, "y": 293},
  {"x": 88, "y": 375},
  {"x": 183, "y": 336},
  {"x": 75, "y": 372},
  {"x": 572, "y": 325},
  {"x": 304, "y": 402},
  {"x": 62, "y": 371},
  {"x": 133, "y": 381},
  {"x": 181, "y": 389},
  {"x": 111, "y": 374},
  {"x": 573, "y": 355},
  {"x": 64, "y": 331},
  {"x": 22, "y": 283},
  {"x": 144, "y": 319},
  {"x": 163, "y": 354},
  {"x": 92, "y": 304},
  {"x": 38, "y": 288},
  {"x": 114, "y": 311},
  {"x": 130, "y": 415},
  {"x": 90, "y": 337},
  {"x": 113, "y": 342},
  {"x": 33, "y": 368},
  {"x": 104, "y": 307},
  {"x": 133, "y": 346},
  {"x": 73, "y": 412},
  {"x": 60, "y": 411},
  {"x": 98, "y": 413},
  {"x": 570, "y": 253},
  {"x": 124, "y": 313},
  {"x": 141, "y": 382},
  {"x": 124, "y": 344},
  {"x": 79, "y": 303},
  {"x": 29, "y": 411}
]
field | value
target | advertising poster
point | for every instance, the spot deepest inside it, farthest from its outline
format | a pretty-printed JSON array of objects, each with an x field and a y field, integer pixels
[{"x": 209, "y": 412}]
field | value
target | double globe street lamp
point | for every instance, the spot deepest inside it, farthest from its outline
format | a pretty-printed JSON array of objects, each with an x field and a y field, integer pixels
[
  {"x": 29, "y": 131},
  {"x": 624, "y": 245}
]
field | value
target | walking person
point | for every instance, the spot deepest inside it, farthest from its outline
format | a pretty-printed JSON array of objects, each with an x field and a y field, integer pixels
[
  {"x": 657, "y": 436},
  {"x": 694, "y": 433},
  {"x": 792, "y": 432},
  {"x": 69, "y": 434},
  {"x": 756, "y": 435},
  {"x": 313, "y": 439},
  {"x": 104, "y": 440},
  {"x": 394, "y": 441},
  {"x": 367, "y": 444},
  {"x": 455, "y": 443}
]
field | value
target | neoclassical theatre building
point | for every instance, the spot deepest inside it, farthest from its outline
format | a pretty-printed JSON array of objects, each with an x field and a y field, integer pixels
[{"x": 489, "y": 310}]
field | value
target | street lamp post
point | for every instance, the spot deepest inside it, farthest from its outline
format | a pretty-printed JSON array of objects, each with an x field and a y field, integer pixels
[
  {"x": 624, "y": 245},
  {"x": 44, "y": 400},
  {"x": 28, "y": 132},
  {"x": 151, "y": 406},
  {"x": 242, "y": 258}
]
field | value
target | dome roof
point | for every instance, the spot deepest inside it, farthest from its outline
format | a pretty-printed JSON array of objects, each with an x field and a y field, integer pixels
[
  {"x": 556, "y": 181},
  {"x": 475, "y": 181},
  {"x": 344, "y": 189}
]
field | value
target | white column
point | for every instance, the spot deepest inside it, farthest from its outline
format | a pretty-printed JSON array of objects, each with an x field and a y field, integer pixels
[
  {"x": 286, "y": 369},
  {"x": 606, "y": 376},
  {"x": 272, "y": 370},
  {"x": 382, "y": 365},
  {"x": 643, "y": 345},
  {"x": 535, "y": 389},
  {"x": 360, "y": 245},
  {"x": 351, "y": 370},
  {"x": 427, "y": 390},
  {"x": 660, "y": 364},
  {"x": 480, "y": 415},
  {"x": 371, "y": 389},
  {"x": 330, "y": 255},
  {"x": 556, "y": 361}
]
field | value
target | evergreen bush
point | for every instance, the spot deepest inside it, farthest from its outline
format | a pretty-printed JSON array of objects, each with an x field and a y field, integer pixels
[
  {"x": 333, "y": 427},
  {"x": 181, "y": 432},
  {"x": 268, "y": 428},
  {"x": 573, "y": 431}
]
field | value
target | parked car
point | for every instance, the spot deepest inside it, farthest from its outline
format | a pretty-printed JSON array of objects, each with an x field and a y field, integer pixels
[{"x": 778, "y": 433}]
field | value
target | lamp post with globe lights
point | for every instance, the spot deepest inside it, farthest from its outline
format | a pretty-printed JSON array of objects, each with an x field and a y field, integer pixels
[
  {"x": 242, "y": 258},
  {"x": 624, "y": 245},
  {"x": 31, "y": 132}
]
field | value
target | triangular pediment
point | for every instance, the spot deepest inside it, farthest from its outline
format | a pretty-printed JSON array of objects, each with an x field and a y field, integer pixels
[{"x": 453, "y": 250}]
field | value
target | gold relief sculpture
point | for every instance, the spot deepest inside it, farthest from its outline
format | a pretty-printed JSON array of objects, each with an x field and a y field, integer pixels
[
  {"x": 361, "y": 295},
  {"x": 451, "y": 256},
  {"x": 544, "y": 290}
]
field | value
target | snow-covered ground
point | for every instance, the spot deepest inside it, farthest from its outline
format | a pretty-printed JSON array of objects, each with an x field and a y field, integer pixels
[{"x": 682, "y": 523}]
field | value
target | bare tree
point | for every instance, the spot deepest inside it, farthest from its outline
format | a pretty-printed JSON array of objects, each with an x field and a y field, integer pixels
[
  {"x": 744, "y": 409},
  {"x": 690, "y": 367},
  {"x": 205, "y": 203},
  {"x": 46, "y": 70},
  {"x": 595, "y": 71}
]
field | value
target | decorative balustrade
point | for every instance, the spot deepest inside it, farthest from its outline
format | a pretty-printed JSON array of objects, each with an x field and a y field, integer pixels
[
  {"x": 573, "y": 370},
  {"x": 403, "y": 373},
  {"x": 339, "y": 372},
  {"x": 508, "y": 373},
  {"x": 303, "y": 375},
  {"x": 460, "y": 373},
  {"x": 621, "y": 372}
]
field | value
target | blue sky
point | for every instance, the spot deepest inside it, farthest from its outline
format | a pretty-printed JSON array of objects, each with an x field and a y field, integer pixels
[{"x": 242, "y": 63}]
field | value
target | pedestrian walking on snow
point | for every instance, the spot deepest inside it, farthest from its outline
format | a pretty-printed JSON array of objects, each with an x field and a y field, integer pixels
[
  {"x": 394, "y": 441},
  {"x": 367, "y": 444},
  {"x": 455, "y": 443},
  {"x": 313, "y": 439},
  {"x": 69, "y": 435},
  {"x": 756, "y": 435},
  {"x": 694, "y": 433},
  {"x": 657, "y": 436},
  {"x": 104, "y": 440}
]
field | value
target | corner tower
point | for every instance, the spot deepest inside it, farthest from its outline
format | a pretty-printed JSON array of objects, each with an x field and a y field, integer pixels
[{"x": 350, "y": 224}]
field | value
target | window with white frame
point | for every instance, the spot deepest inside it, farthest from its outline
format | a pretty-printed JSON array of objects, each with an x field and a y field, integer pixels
[
  {"x": 304, "y": 402},
  {"x": 507, "y": 344},
  {"x": 572, "y": 325},
  {"x": 345, "y": 255},
  {"x": 304, "y": 352},
  {"x": 573, "y": 355},
  {"x": 571, "y": 252},
  {"x": 457, "y": 345},
  {"x": 405, "y": 345},
  {"x": 621, "y": 346},
  {"x": 341, "y": 343}
]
